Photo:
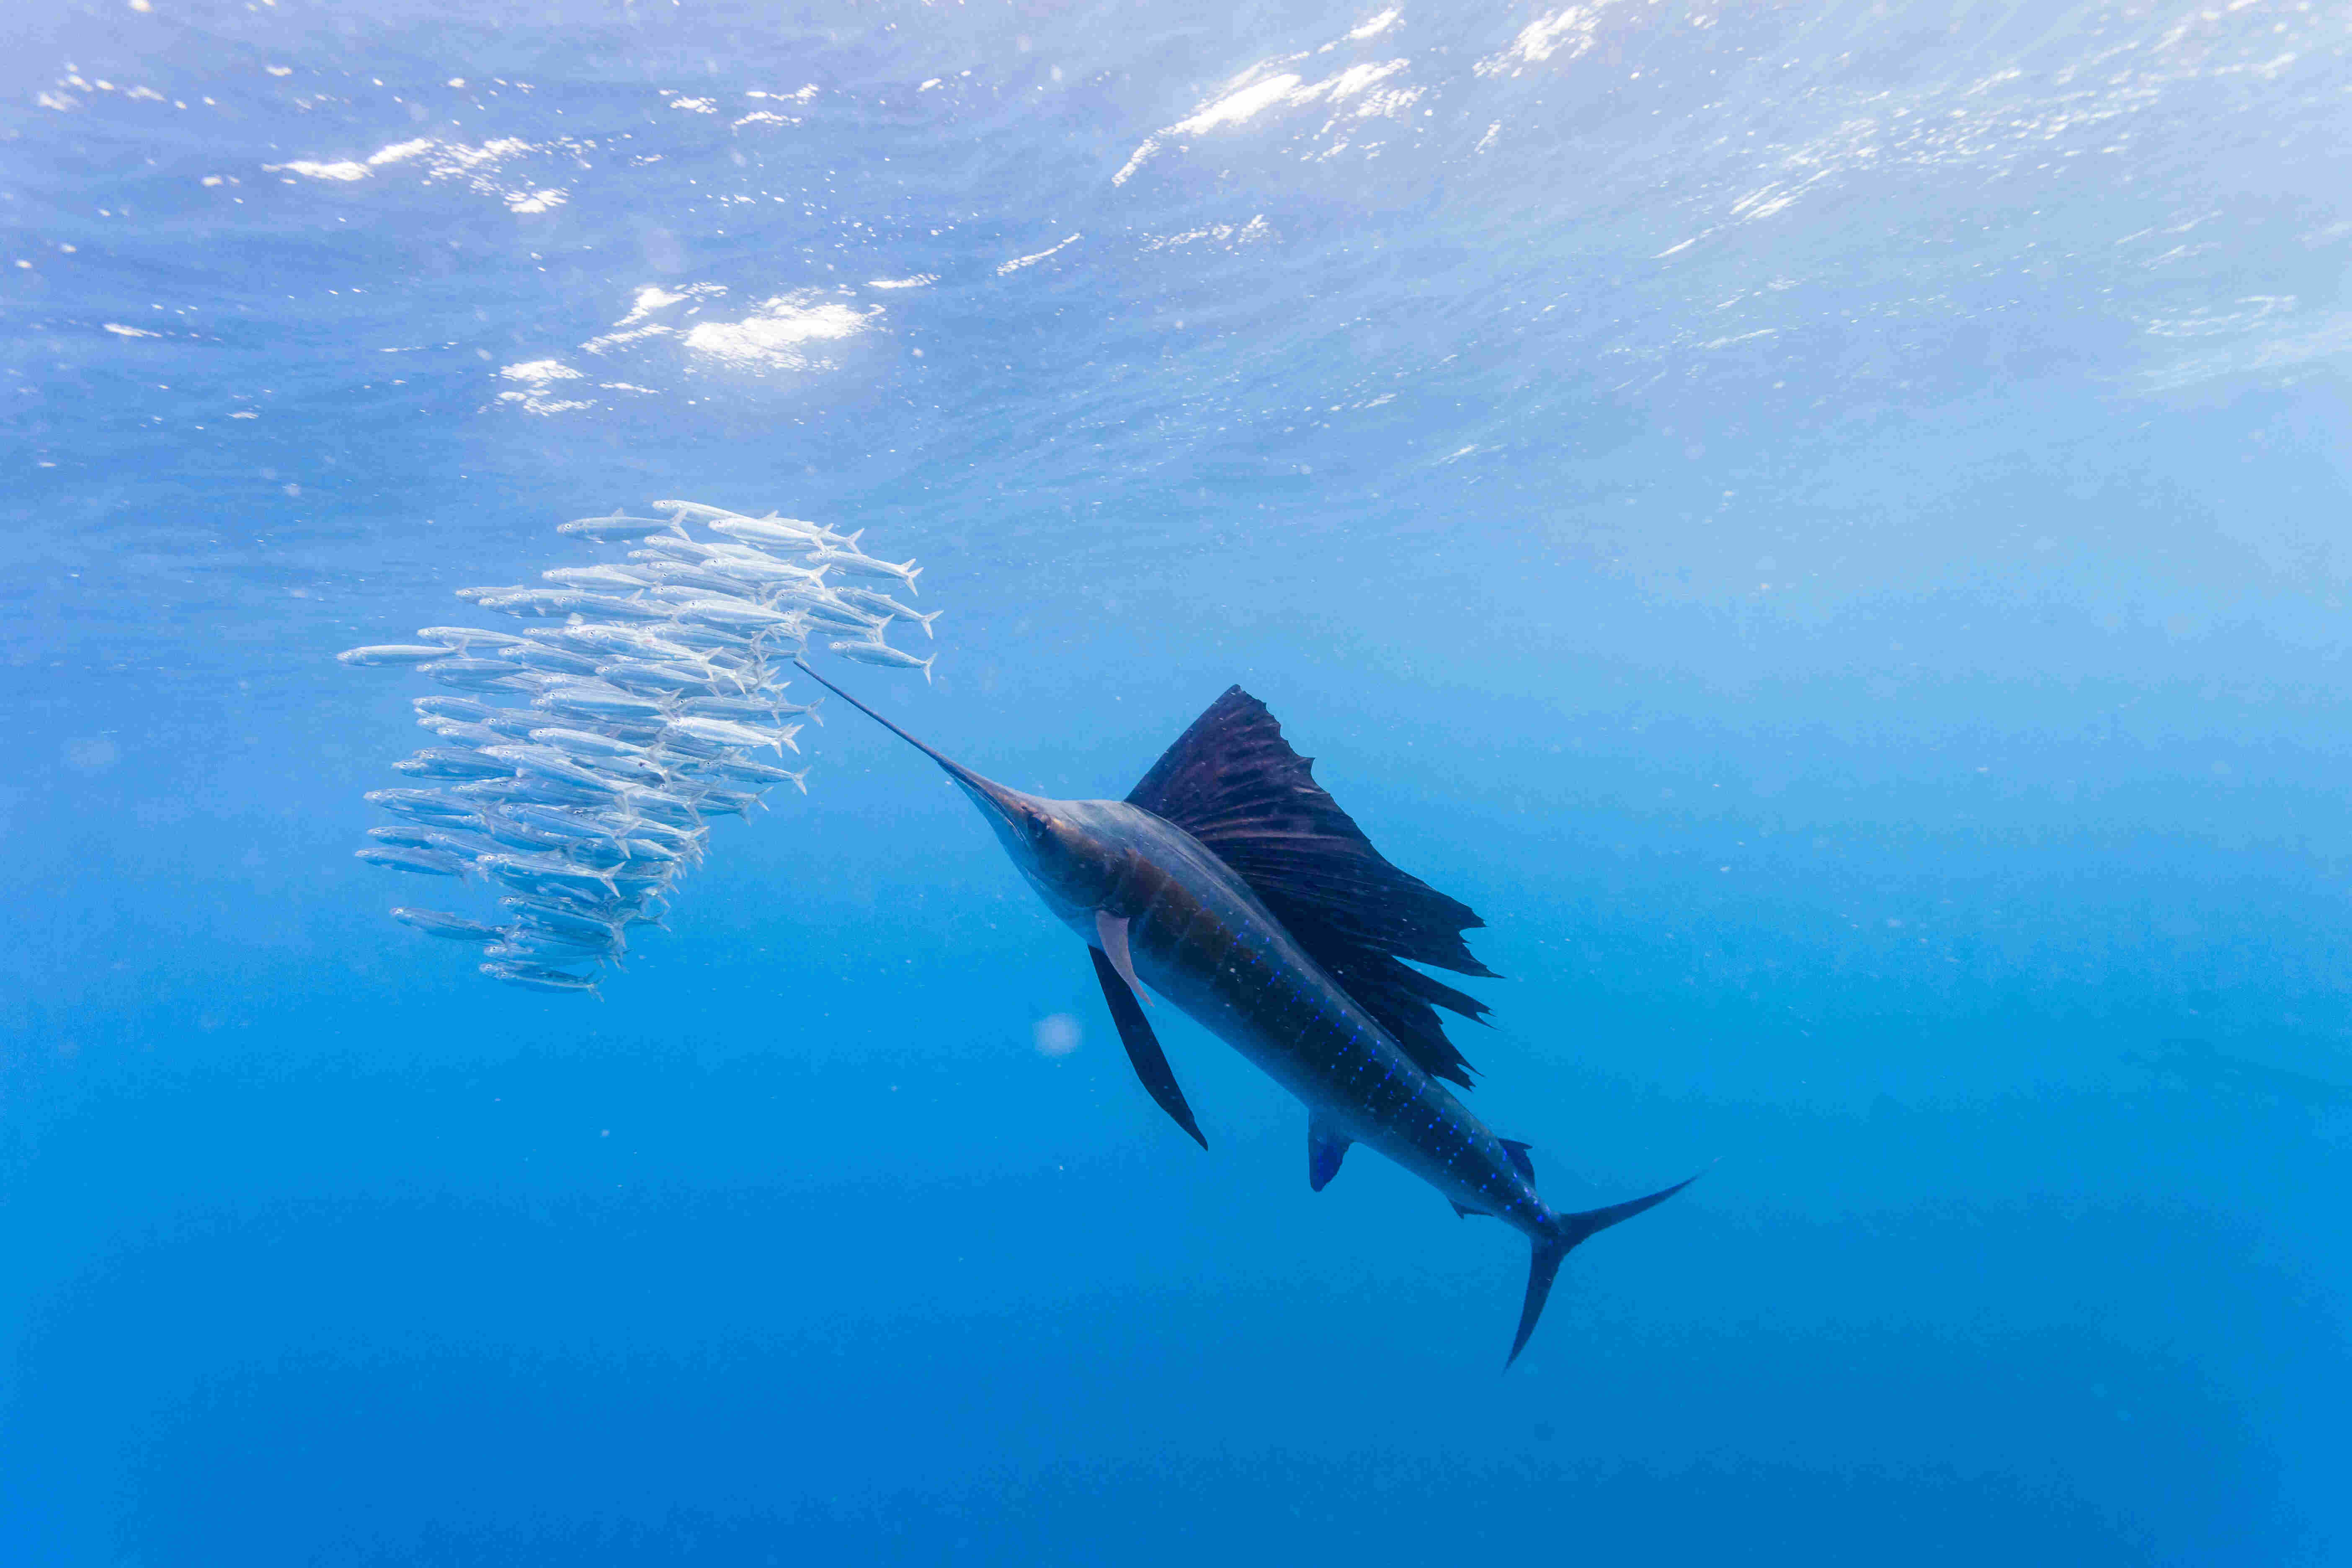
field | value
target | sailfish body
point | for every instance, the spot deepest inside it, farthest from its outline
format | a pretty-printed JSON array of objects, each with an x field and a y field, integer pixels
[{"x": 1233, "y": 886}]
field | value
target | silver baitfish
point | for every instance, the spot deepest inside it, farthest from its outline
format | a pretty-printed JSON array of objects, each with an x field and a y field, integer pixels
[
  {"x": 615, "y": 528},
  {"x": 850, "y": 564},
  {"x": 424, "y": 862},
  {"x": 455, "y": 927},
  {"x": 451, "y": 762},
  {"x": 884, "y": 655},
  {"x": 890, "y": 609},
  {"x": 726, "y": 733},
  {"x": 746, "y": 771},
  {"x": 598, "y": 699},
  {"x": 421, "y": 804},
  {"x": 391, "y": 656},
  {"x": 533, "y": 977},
  {"x": 462, "y": 637}
]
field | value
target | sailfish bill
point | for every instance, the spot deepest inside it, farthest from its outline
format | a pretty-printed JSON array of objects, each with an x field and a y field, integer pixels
[{"x": 1231, "y": 884}]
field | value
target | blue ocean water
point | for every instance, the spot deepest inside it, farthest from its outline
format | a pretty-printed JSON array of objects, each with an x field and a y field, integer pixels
[{"x": 1824, "y": 523}]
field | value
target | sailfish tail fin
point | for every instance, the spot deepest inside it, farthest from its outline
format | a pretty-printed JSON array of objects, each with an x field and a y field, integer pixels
[{"x": 1566, "y": 1232}]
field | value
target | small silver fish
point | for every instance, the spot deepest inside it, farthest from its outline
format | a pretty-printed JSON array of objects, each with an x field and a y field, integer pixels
[
  {"x": 463, "y": 637},
  {"x": 626, "y": 579},
  {"x": 749, "y": 771},
  {"x": 532, "y": 977},
  {"x": 580, "y": 744},
  {"x": 644, "y": 675},
  {"x": 391, "y": 656},
  {"x": 422, "y": 805},
  {"x": 482, "y": 675},
  {"x": 455, "y": 927},
  {"x": 554, "y": 603},
  {"x": 550, "y": 660},
  {"x": 733, "y": 614},
  {"x": 451, "y": 762},
  {"x": 422, "y": 862},
  {"x": 884, "y": 606},
  {"x": 850, "y": 564},
  {"x": 548, "y": 762},
  {"x": 726, "y": 733},
  {"x": 884, "y": 655},
  {"x": 598, "y": 699},
  {"x": 533, "y": 873},
  {"x": 617, "y": 528}
]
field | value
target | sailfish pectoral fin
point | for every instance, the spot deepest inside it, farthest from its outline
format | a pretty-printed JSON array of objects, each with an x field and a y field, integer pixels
[
  {"x": 1110, "y": 932},
  {"x": 1142, "y": 1046}
]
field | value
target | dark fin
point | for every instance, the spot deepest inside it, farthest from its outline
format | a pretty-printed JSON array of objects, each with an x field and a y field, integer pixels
[
  {"x": 1461, "y": 1213},
  {"x": 1325, "y": 1149},
  {"x": 1232, "y": 782},
  {"x": 1570, "y": 1230},
  {"x": 1516, "y": 1152},
  {"x": 1143, "y": 1046}
]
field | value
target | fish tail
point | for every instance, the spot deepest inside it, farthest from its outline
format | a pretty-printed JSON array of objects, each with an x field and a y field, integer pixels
[
  {"x": 927, "y": 621},
  {"x": 1561, "y": 1236},
  {"x": 912, "y": 571},
  {"x": 926, "y": 667}
]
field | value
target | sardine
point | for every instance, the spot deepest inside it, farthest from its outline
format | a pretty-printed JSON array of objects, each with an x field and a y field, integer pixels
[
  {"x": 531, "y": 873},
  {"x": 734, "y": 614},
  {"x": 422, "y": 805},
  {"x": 391, "y": 655},
  {"x": 483, "y": 675},
  {"x": 554, "y": 603},
  {"x": 617, "y": 528},
  {"x": 455, "y": 927},
  {"x": 679, "y": 575},
  {"x": 885, "y": 606},
  {"x": 424, "y": 862},
  {"x": 567, "y": 822},
  {"x": 747, "y": 709},
  {"x": 532, "y": 977},
  {"x": 461, "y": 708},
  {"x": 621, "y": 579},
  {"x": 459, "y": 734},
  {"x": 560, "y": 918},
  {"x": 883, "y": 654},
  {"x": 547, "y": 763},
  {"x": 463, "y": 637},
  {"x": 598, "y": 699},
  {"x": 550, "y": 660},
  {"x": 400, "y": 837},
  {"x": 644, "y": 675},
  {"x": 726, "y": 733},
  {"x": 750, "y": 772},
  {"x": 580, "y": 744},
  {"x": 850, "y": 564},
  {"x": 537, "y": 790},
  {"x": 450, "y": 762},
  {"x": 501, "y": 828}
]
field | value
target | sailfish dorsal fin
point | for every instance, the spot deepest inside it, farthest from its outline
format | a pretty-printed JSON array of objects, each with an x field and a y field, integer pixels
[{"x": 1232, "y": 782}]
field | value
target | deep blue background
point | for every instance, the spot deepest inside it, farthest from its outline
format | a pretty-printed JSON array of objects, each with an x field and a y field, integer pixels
[{"x": 1876, "y": 667}]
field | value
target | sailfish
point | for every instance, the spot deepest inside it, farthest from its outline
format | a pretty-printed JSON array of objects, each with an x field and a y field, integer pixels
[{"x": 1233, "y": 885}]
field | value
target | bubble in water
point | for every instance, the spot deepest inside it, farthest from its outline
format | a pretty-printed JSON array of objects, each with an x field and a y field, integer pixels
[{"x": 1057, "y": 1035}]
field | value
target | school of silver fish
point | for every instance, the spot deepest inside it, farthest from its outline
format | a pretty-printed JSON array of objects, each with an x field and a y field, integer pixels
[{"x": 576, "y": 777}]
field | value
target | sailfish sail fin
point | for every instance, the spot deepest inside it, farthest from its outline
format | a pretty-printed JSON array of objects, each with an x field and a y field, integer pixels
[{"x": 1232, "y": 782}]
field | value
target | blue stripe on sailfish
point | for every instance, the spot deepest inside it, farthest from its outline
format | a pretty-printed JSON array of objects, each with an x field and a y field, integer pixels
[{"x": 1233, "y": 886}]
